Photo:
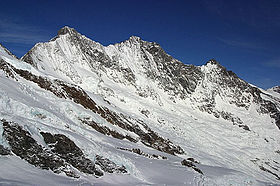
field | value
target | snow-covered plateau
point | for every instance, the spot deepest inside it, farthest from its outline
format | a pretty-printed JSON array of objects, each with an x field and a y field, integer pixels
[{"x": 75, "y": 112}]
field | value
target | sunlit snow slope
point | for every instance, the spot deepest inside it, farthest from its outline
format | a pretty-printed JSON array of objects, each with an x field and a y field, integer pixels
[{"x": 130, "y": 114}]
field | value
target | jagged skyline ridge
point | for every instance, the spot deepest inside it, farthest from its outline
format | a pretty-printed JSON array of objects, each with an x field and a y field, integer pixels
[{"x": 241, "y": 35}]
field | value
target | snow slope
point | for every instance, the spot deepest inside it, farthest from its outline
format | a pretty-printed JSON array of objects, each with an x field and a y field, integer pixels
[{"x": 227, "y": 125}]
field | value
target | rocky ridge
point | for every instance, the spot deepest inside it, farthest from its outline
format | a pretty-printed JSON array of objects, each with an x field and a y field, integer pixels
[{"x": 129, "y": 61}]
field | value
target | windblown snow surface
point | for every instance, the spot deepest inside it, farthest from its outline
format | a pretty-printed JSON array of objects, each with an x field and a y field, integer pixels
[{"x": 225, "y": 153}]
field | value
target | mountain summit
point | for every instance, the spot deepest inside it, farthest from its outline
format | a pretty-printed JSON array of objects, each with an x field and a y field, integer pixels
[
  {"x": 129, "y": 113},
  {"x": 66, "y": 30}
]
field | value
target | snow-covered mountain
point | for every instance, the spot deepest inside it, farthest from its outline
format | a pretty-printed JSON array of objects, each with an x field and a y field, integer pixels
[{"x": 79, "y": 112}]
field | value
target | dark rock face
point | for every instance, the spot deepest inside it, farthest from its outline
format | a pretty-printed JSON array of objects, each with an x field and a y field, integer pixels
[
  {"x": 24, "y": 146},
  {"x": 67, "y": 150},
  {"x": 61, "y": 89},
  {"x": 61, "y": 156},
  {"x": 106, "y": 131},
  {"x": 173, "y": 73},
  {"x": 4, "y": 151},
  {"x": 189, "y": 163},
  {"x": 6, "y": 68},
  {"x": 155, "y": 141},
  {"x": 150, "y": 138},
  {"x": 72, "y": 154}
]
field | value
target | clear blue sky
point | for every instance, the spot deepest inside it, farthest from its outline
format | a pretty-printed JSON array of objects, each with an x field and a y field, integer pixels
[{"x": 243, "y": 35}]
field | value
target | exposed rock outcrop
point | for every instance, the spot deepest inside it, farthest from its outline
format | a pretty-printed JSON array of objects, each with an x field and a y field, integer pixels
[
  {"x": 61, "y": 155},
  {"x": 23, "y": 145}
]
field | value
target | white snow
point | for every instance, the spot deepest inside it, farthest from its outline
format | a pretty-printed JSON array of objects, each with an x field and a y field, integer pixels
[{"x": 225, "y": 150}]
